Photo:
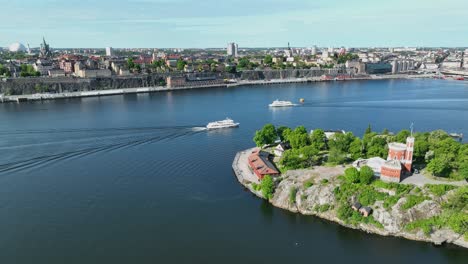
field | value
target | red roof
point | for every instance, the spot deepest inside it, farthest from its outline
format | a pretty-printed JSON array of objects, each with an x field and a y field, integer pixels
[{"x": 259, "y": 163}]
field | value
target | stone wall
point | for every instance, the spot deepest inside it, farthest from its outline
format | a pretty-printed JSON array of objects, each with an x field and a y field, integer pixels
[{"x": 31, "y": 85}]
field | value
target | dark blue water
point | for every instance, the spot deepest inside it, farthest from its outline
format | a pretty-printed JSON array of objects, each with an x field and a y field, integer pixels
[{"x": 133, "y": 179}]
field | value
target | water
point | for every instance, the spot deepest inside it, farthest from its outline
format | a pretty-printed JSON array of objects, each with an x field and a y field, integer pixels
[{"x": 136, "y": 178}]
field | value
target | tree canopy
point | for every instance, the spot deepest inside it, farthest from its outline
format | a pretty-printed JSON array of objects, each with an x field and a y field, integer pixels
[{"x": 267, "y": 135}]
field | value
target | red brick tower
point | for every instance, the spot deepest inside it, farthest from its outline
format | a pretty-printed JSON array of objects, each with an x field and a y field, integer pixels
[{"x": 409, "y": 153}]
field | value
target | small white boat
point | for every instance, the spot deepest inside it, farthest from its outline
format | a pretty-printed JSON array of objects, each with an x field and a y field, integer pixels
[
  {"x": 226, "y": 123},
  {"x": 278, "y": 103}
]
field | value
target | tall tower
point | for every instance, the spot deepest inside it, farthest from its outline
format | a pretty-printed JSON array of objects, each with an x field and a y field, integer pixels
[{"x": 408, "y": 162}]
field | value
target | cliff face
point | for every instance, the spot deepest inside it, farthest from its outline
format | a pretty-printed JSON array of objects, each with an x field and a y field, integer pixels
[{"x": 320, "y": 200}]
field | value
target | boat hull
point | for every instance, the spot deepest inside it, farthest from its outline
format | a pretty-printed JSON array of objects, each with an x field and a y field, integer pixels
[{"x": 222, "y": 127}]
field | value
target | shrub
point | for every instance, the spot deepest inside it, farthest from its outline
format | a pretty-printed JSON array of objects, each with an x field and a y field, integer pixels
[
  {"x": 402, "y": 188},
  {"x": 371, "y": 220},
  {"x": 439, "y": 189},
  {"x": 352, "y": 175},
  {"x": 369, "y": 196},
  {"x": 324, "y": 181},
  {"x": 413, "y": 200},
  {"x": 366, "y": 175},
  {"x": 426, "y": 225},
  {"x": 308, "y": 184},
  {"x": 255, "y": 186},
  {"x": 323, "y": 208},
  {"x": 344, "y": 212},
  {"x": 267, "y": 186},
  {"x": 292, "y": 195},
  {"x": 390, "y": 201}
]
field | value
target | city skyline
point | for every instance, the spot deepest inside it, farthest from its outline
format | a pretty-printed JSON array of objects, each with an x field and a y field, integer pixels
[{"x": 210, "y": 24}]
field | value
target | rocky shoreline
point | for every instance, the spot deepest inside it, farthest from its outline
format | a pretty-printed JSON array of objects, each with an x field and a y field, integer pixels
[{"x": 312, "y": 200}]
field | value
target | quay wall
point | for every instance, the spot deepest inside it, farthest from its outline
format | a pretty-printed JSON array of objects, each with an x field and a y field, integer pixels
[{"x": 32, "y": 85}]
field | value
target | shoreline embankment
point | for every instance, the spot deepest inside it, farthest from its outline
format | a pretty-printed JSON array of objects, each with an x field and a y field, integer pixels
[
  {"x": 318, "y": 193},
  {"x": 154, "y": 89}
]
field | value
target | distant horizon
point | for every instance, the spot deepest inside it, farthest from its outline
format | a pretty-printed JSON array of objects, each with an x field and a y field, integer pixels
[
  {"x": 240, "y": 47},
  {"x": 251, "y": 23}
]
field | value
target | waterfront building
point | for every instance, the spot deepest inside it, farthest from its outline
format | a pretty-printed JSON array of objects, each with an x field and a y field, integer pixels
[
  {"x": 378, "y": 68},
  {"x": 261, "y": 165},
  {"x": 109, "y": 52}
]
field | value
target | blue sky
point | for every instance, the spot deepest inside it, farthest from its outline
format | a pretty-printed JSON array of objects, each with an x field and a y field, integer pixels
[{"x": 251, "y": 23}]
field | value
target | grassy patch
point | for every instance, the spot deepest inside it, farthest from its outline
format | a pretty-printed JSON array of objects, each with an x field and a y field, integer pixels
[
  {"x": 439, "y": 189},
  {"x": 292, "y": 195},
  {"x": 322, "y": 208},
  {"x": 368, "y": 196},
  {"x": 308, "y": 184},
  {"x": 324, "y": 181},
  {"x": 413, "y": 200},
  {"x": 390, "y": 201},
  {"x": 426, "y": 225},
  {"x": 370, "y": 220}
]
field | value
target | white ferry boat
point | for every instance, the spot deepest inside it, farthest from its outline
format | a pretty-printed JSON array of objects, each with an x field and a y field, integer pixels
[
  {"x": 227, "y": 123},
  {"x": 278, "y": 103}
]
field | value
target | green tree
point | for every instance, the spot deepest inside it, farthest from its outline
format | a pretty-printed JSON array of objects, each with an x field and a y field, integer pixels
[
  {"x": 268, "y": 60},
  {"x": 377, "y": 147},
  {"x": 463, "y": 170},
  {"x": 366, "y": 175},
  {"x": 231, "y": 69},
  {"x": 336, "y": 156},
  {"x": 283, "y": 132},
  {"x": 181, "y": 65},
  {"x": 439, "y": 166},
  {"x": 244, "y": 63},
  {"x": 130, "y": 63},
  {"x": 318, "y": 139},
  {"x": 421, "y": 147},
  {"x": 341, "y": 142},
  {"x": 385, "y": 132},
  {"x": 368, "y": 129},
  {"x": 352, "y": 175},
  {"x": 138, "y": 68},
  {"x": 267, "y": 186},
  {"x": 437, "y": 136},
  {"x": 402, "y": 135},
  {"x": 355, "y": 149},
  {"x": 298, "y": 138},
  {"x": 267, "y": 135},
  {"x": 300, "y": 158}
]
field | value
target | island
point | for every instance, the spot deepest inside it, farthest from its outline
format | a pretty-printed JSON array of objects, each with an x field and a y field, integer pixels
[{"x": 410, "y": 185}]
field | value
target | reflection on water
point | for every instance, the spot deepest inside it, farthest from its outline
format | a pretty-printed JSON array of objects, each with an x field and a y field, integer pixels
[{"x": 110, "y": 178}]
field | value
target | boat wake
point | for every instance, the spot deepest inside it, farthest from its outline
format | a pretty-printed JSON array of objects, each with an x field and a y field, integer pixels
[{"x": 96, "y": 145}]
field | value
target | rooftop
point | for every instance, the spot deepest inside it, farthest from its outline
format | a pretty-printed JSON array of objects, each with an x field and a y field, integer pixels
[
  {"x": 397, "y": 146},
  {"x": 392, "y": 164}
]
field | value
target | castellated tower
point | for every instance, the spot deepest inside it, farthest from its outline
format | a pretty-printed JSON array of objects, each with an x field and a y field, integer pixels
[{"x": 409, "y": 153}]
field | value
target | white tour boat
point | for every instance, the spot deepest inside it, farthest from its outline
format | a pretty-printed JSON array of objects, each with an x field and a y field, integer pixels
[
  {"x": 278, "y": 103},
  {"x": 227, "y": 123}
]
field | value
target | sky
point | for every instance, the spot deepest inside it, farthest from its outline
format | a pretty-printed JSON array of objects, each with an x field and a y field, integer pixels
[{"x": 250, "y": 23}]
